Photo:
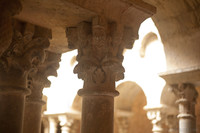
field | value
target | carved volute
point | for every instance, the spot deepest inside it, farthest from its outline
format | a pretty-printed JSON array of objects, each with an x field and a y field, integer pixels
[{"x": 37, "y": 79}]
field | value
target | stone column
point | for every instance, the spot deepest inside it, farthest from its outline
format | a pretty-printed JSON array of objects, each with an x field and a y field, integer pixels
[
  {"x": 11, "y": 98},
  {"x": 187, "y": 96},
  {"x": 155, "y": 115},
  {"x": 37, "y": 81},
  {"x": 172, "y": 123},
  {"x": 21, "y": 51},
  {"x": 100, "y": 45},
  {"x": 18, "y": 56}
]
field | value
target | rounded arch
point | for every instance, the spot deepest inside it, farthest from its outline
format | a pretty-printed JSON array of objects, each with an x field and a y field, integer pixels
[
  {"x": 77, "y": 103},
  {"x": 168, "y": 99},
  {"x": 128, "y": 92},
  {"x": 148, "y": 38},
  {"x": 130, "y": 104},
  {"x": 178, "y": 24}
]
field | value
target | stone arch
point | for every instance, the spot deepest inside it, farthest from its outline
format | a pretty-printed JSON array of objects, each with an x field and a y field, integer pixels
[
  {"x": 132, "y": 99},
  {"x": 168, "y": 99},
  {"x": 128, "y": 92},
  {"x": 178, "y": 24},
  {"x": 148, "y": 38},
  {"x": 77, "y": 103}
]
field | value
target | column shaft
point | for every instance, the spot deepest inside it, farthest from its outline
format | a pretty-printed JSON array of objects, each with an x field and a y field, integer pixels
[
  {"x": 32, "y": 117},
  {"x": 97, "y": 114},
  {"x": 11, "y": 112},
  {"x": 37, "y": 81},
  {"x": 186, "y": 125}
]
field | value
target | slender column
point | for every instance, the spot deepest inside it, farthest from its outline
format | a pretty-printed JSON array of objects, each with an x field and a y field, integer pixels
[
  {"x": 187, "y": 96},
  {"x": 21, "y": 51},
  {"x": 172, "y": 123},
  {"x": 37, "y": 81},
  {"x": 100, "y": 45},
  {"x": 155, "y": 115}
]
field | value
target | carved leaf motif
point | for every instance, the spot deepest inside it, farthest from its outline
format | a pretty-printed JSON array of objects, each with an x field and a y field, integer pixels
[
  {"x": 38, "y": 78},
  {"x": 24, "y": 53},
  {"x": 98, "y": 75}
]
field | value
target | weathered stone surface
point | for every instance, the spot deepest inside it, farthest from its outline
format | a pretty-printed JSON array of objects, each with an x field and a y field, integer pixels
[
  {"x": 100, "y": 45},
  {"x": 24, "y": 54},
  {"x": 22, "y": 50},
  {"x": 37, "y": 81}
]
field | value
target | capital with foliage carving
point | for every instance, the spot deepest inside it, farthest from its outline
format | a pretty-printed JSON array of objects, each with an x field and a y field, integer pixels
[
  {"x": 37, "y": 79},
  {"x": 24, "y": 53},
  {"x": 100, "y": 45},
  {"x": 187, "y": 96}
]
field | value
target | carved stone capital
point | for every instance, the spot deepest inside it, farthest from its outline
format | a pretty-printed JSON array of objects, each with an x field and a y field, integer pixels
[
  {"x": 37, "y": 79},
  {"x": 24, "y": 53},
  {"x": 157, "y": 119},
  {"x": 187, "y": 96},
  {"x": 100, "y": 45}
]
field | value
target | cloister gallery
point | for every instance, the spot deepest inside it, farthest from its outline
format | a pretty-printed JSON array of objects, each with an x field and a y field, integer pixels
[{"x": 137, "y": 62}]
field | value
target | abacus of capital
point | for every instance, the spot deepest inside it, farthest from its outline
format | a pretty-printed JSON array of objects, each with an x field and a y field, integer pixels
[{"x": 100, "y": 34}]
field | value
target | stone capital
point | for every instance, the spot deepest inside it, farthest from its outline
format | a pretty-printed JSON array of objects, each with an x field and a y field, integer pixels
[
  {"x": 100, "y": 45},
  {"x": 185, "y": 91},
  {"x": 37, "y": 79},
  {"x": 157, "y": 118},
  {"x": 187, "y": 96},
  {"x": 23, "y": 54}
]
